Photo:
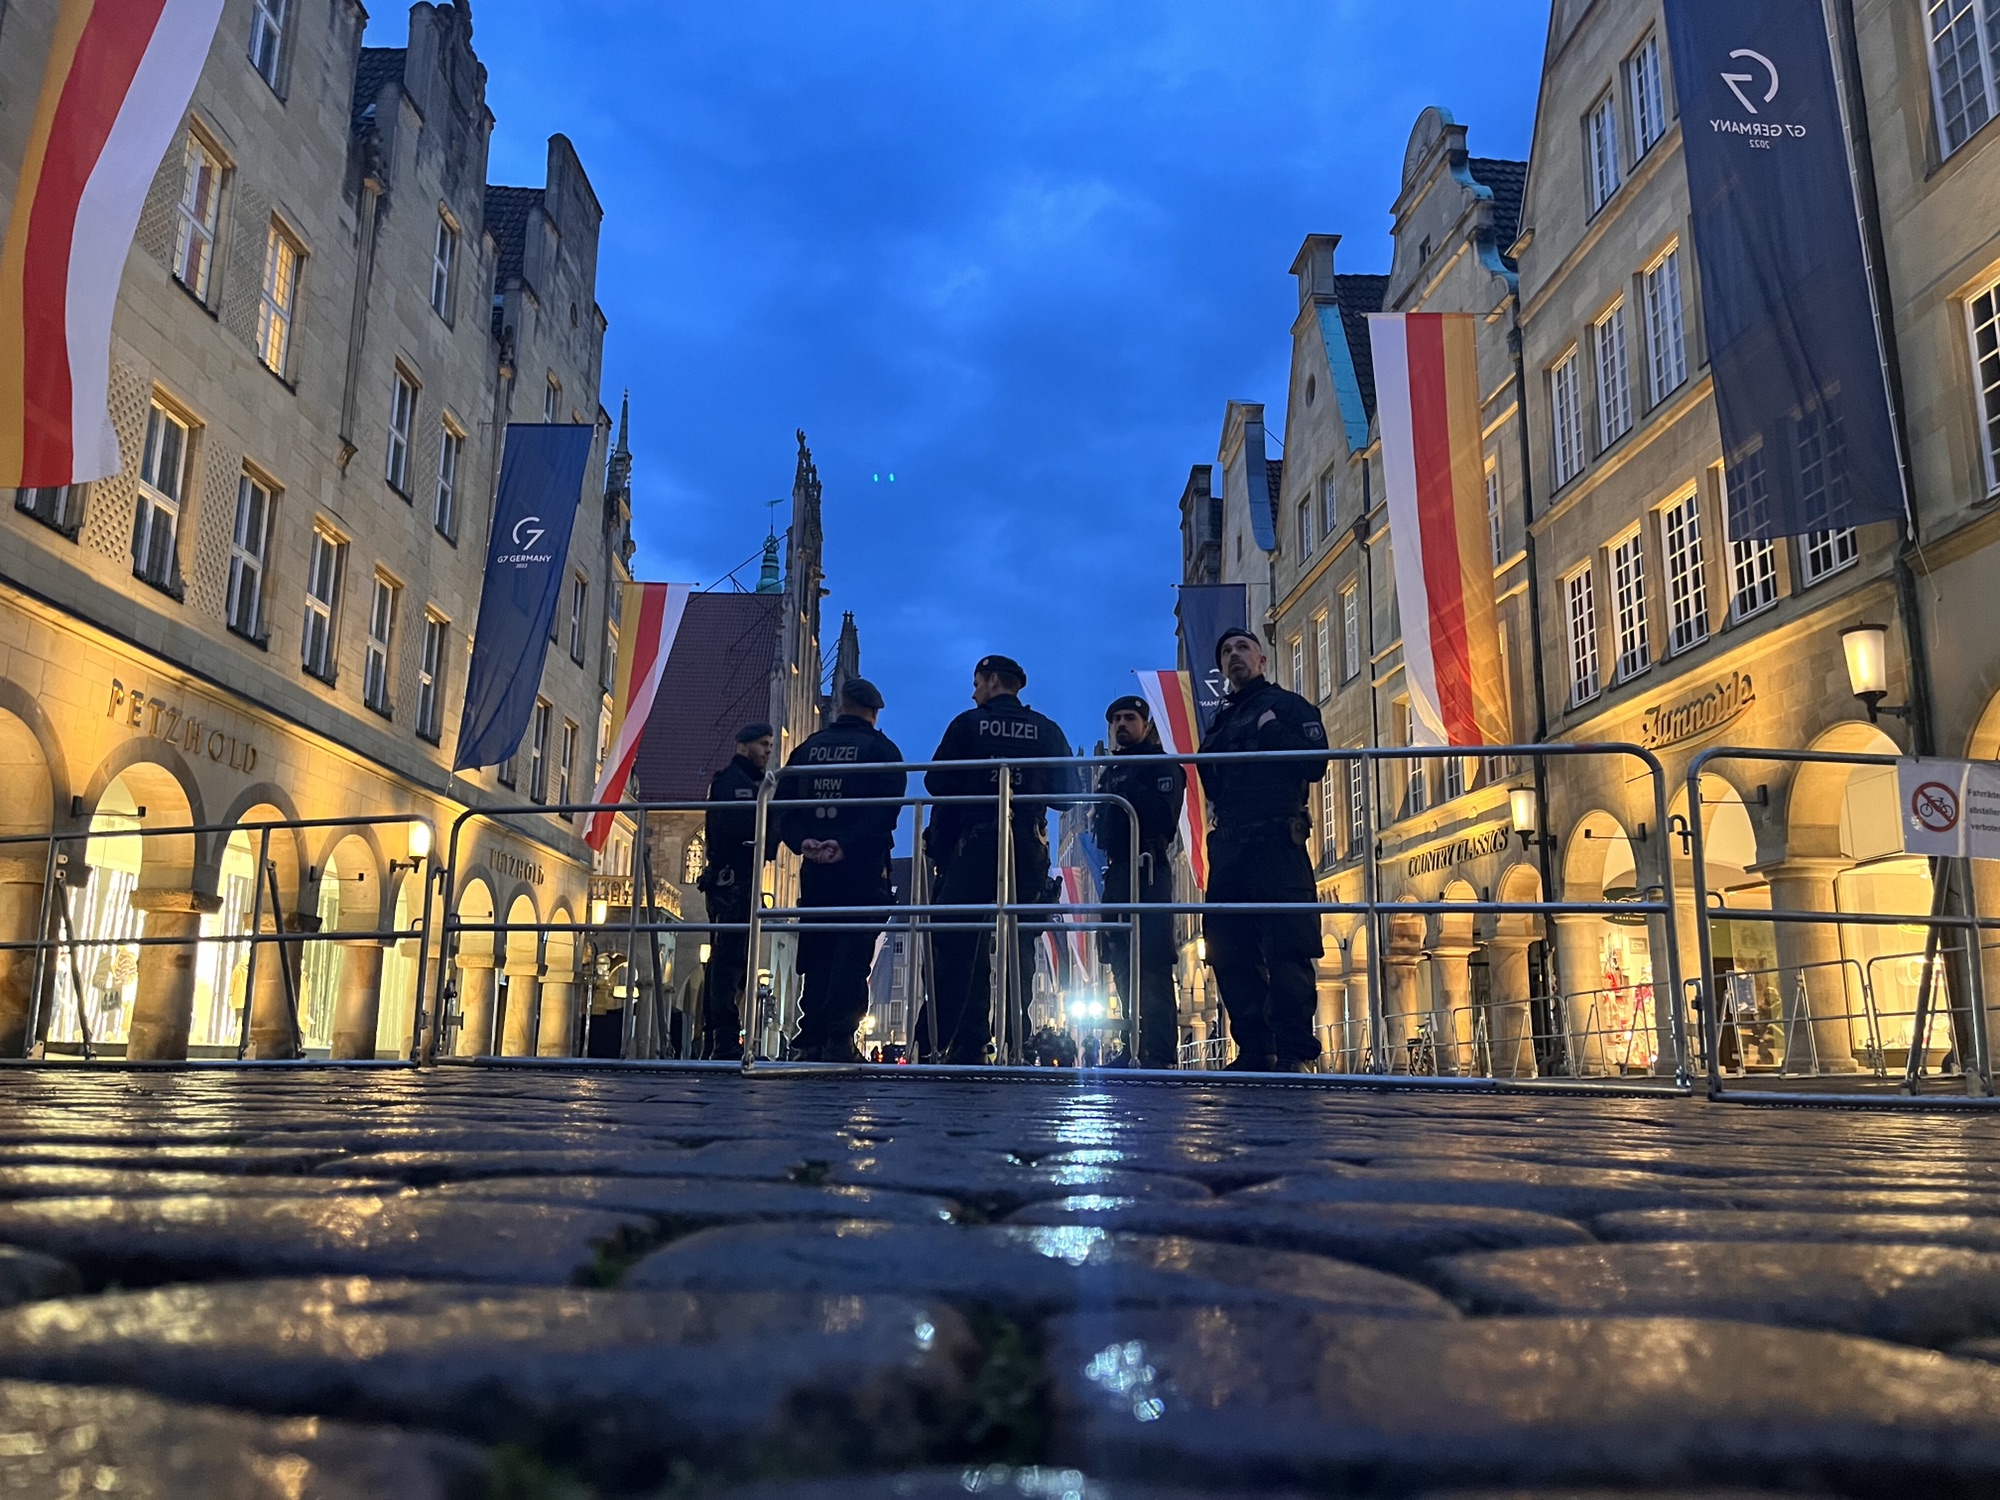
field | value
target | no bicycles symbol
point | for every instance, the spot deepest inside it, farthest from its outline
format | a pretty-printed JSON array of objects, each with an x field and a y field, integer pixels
[{"x": 1935, "y": 806}]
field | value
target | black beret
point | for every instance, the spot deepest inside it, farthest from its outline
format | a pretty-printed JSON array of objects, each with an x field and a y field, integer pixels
[
  {"x": 862, "y": 693},
  {"x": 1230, "y": 634},
  {"x": 751, "y": 732},
  {"x": 1130, "y": 703},
  {"x": 1003, "y": 667}
]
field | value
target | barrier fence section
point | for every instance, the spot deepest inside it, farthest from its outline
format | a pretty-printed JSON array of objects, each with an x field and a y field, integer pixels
[{"x": 1868, "y": 973}]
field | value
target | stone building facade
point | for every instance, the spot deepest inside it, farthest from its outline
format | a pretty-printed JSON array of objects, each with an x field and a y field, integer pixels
[{"x": 265, "y": 616}]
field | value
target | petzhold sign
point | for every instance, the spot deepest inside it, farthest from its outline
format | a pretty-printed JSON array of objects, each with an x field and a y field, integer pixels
[
  {"x": 166, "y": 721},
  {"x": 1459, "y": 851},
  {"x": 513, "y": 867},
  {"x": 1703, "y": 713}
]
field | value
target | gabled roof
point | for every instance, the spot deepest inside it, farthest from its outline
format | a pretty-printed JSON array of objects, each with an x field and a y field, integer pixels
[
  {"x": 717, "y": 679},
  {"x": 377, "y": 66},
  {"x": 1344, "y": 331},
  {"x": 1508, "y": 181},
  {"x": 508, "y": 210}
]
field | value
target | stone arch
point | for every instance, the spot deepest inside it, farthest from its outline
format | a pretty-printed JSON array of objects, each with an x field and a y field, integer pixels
[
  {"x": 1455, "y": 928},
  {"x": 521, "y": 973},
  {"x": 163, "y": 786},
  {"x": 475, "y": 980},
  {"x": 30, "y": 774},
  {"x": 34, "y": 776},
  {"x": 1817, "y": 801},
  {"x": 474, "y": 907},
  {"x": 1519, "y": 882}
]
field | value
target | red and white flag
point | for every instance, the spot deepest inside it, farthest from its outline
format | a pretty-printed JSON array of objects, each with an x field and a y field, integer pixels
[
  {"x": 1170, "y": 695},
  {"x": 649, "y": 618},
  {"x": 114, "y": 91},
  {"x": 1078, "y": 888},
  {"x": 1434, "y": 476}
]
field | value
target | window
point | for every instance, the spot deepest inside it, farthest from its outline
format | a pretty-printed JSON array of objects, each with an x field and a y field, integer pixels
[
  {"x": 323, "y": 570},
  {"x": 1298, "y": 664},
  {"x": 1329, "y": 818},
  {"x": 249, "y": 545},
  {"x": 1566, "y": 413},
  {"x": 1580, "y": 614},
  {"x": 1983, "y": 312},
  {"x": 198, "y": 215},
  {"x": 694, "y": 860},
  {"x": 1454, "y": 776},
  {"x": 1614, "y": 384},
  {"x": 552, "y": 399},
  {"x": 1665, "y": 341},
  {"x": 402, "y": 416},
  {"x": 1823, "y": 492},
  {"x": 430, "y": 677},
  {"x": 1416, "y": 785},
  {"x": 607, "y": 669},
  {"x": 1305, "y": 529},
  {"x": 603, "y": 744},
  {"x": 1350, "y": 631},
  {"x": 59, "y": 506},
  {"x": 1628, "y": 602},
  {"x": 504, "y": 774},
  {"x": 538, "y": 752},
  {"x": 1600, "y": 133},
  {"x": 276, "y": 300},
  {"x": 1329, "y": 503},
  {"x": 1357, "y": 807},
  {"x": 1495, "y": 532},
  {"x": 267, "y": 37},
  {"x": 566, "y": 763},
  {"x": 1687, "y": 573},
  {"x": 1322, "y": 656},
  {"x": 1649, "y": 104},
  {"x": 444, "y": 260},
  {"x": 1753, "y": 577},
  {"x": 162, "y": 480},
  {"x": 381, "y": 630},
  {"x": 579, "y": 607},
  {"x": 444, "y": 510},
  {"x": 1963, "y": 66}
]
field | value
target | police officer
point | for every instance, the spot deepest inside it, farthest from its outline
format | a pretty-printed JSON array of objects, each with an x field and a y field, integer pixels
[
  {"x": 844, "y": 853},
  {"x": 963, "y": 842},
  {"x": 730, "y": 884},
  {"x": 1155, "y": 786},
  {"x": 1264, "y": 963}
]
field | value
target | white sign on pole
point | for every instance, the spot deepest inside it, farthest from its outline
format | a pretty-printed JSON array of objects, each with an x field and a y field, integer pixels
[{"x": 1949, "y": 808}]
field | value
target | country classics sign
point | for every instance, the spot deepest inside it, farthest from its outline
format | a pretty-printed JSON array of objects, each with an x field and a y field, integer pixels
[
  {"x": 1698, "y": 714},
  {"x": 1459, "y": 851}
]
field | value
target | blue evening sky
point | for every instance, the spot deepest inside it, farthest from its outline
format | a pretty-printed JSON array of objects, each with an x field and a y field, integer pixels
[{"x": 1018, "y": 254}]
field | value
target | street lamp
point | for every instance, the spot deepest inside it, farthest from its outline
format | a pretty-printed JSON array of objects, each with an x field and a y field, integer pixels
[
  {"x": 1522, "y": 809},
  {"x": 1866, "y": 648}
]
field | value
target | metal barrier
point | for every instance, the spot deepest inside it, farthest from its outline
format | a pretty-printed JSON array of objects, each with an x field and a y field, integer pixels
[{"x": 1894, "y": 1023}]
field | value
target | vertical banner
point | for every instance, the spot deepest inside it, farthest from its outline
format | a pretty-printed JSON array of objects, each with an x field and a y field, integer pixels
[
  {"x": 527, "y": 551},
  {"x": 1079, "y": 888},
  {"x": 1170, "y": 695},
  {"x": 114, "y": 91},
  {"x": 1206, "y": 610},
  {"x": 1799, "y": 389},
  {"x": 649, "y": 618},
  {"x": 1434, "y": 482}
]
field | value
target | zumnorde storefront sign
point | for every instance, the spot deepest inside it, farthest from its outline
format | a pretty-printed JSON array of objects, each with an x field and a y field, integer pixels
[{"x": 1949, "y": 808}]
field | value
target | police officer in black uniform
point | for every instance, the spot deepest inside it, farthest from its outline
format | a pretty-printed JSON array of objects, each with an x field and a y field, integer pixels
[
  {"x": 1155, "y": 786},
  {"x": 963, "y": 842},
  {"x": 730, "y": 884},
  {"x": 844, "y": 853},
  {"x": 1264, "y": 963}
]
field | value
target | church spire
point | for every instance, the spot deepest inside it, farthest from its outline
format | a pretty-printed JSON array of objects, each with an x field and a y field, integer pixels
[{"x": 768, "y": 580}]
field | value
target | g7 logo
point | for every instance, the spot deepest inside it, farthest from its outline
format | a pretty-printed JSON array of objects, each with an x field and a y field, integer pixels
[
  {"x": 530, "y": 525},
  {"x": 1737, "y": 80}
]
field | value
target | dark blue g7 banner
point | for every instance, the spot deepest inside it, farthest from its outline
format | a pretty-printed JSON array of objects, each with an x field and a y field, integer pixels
[
  {"x": 541, "y": 479},
  {"x": 1205, "y": 611},
  {"x": 1799, "y": 388}
]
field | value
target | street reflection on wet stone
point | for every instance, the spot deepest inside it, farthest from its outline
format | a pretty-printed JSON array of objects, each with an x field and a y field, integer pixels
[{"x": 666, "y": 1284}]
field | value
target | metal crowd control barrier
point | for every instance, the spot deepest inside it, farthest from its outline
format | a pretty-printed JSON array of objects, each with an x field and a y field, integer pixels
[{"x": 1821, "y": 1020}]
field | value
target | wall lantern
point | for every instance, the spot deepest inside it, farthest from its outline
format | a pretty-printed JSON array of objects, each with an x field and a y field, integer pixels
[
  {"x": 1523, "y": 811},
  {"x": 705, "y": 951},
  {"x": 600, "y": 912},
  {"x": 1866, "y": 648},
  {"x": 419, "y": 846}
]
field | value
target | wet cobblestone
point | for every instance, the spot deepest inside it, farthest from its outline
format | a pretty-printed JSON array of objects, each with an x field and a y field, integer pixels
[{"x": 572, "y": 1284}]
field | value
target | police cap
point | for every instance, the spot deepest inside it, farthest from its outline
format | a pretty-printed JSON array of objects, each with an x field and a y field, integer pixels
[
  {"x": 859, "y": 692},
  {"x": 751, "y": 732},
  {"x": 1003, "y": 667},
  {"x": 1230, "y": 634},
  {"x": 1131, "y": 703}
]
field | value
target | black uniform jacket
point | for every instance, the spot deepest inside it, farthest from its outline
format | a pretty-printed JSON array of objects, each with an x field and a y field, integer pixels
[
  {"x": 1000, "y": 728},
  {"x": 810, "y": 798},
  {"x": 1250, "y": 797},
  {"x": 729, "y": 832},
  {"x": 1155, "y": 786}
]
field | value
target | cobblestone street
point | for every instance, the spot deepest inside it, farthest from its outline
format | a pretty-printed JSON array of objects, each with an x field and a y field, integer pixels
[{"x": 538, "y": 1283}]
